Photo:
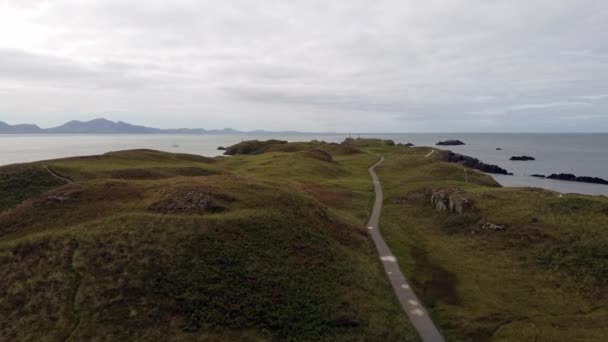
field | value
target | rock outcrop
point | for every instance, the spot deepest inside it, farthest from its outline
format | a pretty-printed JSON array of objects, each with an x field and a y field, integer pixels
[
  {"x": 252, "y": 147},
  {"x": 493, "y": 226},
  {"x": 473, "y": 163},
  {"x": 572, "y": 178},
  {"x": 187, "y": 201},
  {"x": 450, "y": 143},
  {"x": 452, "y": 200},
  {"x": 522, "y": 158}
]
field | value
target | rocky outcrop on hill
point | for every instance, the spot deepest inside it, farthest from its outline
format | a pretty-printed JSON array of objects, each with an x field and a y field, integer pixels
[
  {"x": 473, "y": 163},
  {"x": 451, "y": 199},
  {"x": 450, "y": 143},
  {"x": 522, "y": 158},
  {"x": 252, "y": 147},
  {"x": 572, "y": 178},
  {"x": 190, "y": 200},
  {"x": 493, "y": 226}
]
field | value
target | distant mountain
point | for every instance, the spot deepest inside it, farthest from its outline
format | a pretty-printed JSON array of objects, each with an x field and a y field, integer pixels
[
  {"x": 19, "y": 129},
  {"x": 104, "y": 126},
  {"x": 99, "y": 126}
]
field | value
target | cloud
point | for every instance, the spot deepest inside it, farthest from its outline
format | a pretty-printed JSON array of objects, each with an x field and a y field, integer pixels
[{"x": 386, "y": 65}]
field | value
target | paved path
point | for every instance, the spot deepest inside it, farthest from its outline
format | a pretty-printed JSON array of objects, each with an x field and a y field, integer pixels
[
  {"x": 428, "y": 155},
  {"x": 409, "y": 302}
]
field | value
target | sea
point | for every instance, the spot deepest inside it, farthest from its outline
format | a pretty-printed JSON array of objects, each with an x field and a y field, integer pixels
[{"x": 580, "y": 154}]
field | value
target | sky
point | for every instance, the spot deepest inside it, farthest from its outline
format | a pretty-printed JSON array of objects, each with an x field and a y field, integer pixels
[{"x": 342, "y": 66}]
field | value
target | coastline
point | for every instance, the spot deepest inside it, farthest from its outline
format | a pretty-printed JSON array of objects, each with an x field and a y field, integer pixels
[{"x": 580, "y": 154}]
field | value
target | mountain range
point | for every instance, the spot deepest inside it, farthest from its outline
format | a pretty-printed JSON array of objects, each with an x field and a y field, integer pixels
[{"x": 105, "y": 126}]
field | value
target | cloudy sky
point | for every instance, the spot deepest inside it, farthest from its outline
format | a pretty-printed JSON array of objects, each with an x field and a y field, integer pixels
[{"x": 344, "y": 65}]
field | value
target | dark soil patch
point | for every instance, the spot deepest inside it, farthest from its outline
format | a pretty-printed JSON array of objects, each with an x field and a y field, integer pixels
[{"x": 435, "y": 282}]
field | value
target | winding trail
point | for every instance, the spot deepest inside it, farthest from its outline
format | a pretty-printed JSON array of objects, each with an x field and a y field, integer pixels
[
  {"x": 58, "y": 176},
  {"x": 407, "y": 298}
]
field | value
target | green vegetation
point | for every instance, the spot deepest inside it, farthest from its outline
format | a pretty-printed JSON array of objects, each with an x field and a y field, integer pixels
[
  {"x": 269, "y": 244},
  {"x": 544, "y": 276},
  {"x": 265, "y": 247},
  {"x": 20, "y": 182}
]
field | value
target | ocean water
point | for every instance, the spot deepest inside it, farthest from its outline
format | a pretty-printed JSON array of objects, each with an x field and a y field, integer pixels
[{"x": 580, "y": 154}]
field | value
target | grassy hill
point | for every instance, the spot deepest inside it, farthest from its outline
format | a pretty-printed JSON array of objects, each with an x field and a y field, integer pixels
[
  {"x": 145, "y": 245},
  {"x": 543, "y": 276},
  {"x": 269, "y": 244}
]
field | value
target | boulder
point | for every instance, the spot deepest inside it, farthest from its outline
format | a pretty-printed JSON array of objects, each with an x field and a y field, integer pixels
[
  {"x": 451, "y": 199},
  {"x": 60, "y": 197},
  {"x": 492, "y": 226},
  {"x": 221, "y": 148},
  {"x": 450, "y": 143},
  {"x": 522, "y": 158}
]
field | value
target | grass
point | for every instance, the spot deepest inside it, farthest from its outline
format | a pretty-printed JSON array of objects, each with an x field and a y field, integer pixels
[
  {"x": 20, "y": 182},
  {"x": 544, "y": 276},
  {"x": 287, "y": 257}
]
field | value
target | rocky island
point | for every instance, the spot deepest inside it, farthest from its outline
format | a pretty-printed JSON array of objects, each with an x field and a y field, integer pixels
[
  {"x": 522, "y": 158},
  {"x": 450, "y": 143},
  {"x": 572, "y": 178}
]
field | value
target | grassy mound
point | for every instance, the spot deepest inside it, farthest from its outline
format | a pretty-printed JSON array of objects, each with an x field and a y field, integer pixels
[
  {"x": 542, "y": 275},
  {"x": 238, "y": 255},
  {"x": 253, "y": 147},
  {"x": 21, "y": 182}
]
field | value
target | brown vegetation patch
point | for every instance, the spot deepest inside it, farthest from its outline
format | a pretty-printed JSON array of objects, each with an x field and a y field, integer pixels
[
  {"x": 328, "y": 197},
  {"x": 346, "y": 235},
  {"x": 135, "y": 174},
  {"x": 191, "y": 199},
  {"x": 159, "y": 173},
  {"x": 320, "y": 155},
  {"x": 416, "y": 197},
  {"x": 67, "y": 205}
]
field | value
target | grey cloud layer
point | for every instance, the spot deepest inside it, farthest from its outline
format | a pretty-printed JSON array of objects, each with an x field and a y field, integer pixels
[{"x": 309, "y": 65}]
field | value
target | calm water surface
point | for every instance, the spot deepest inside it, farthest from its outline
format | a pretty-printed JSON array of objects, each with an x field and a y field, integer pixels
[{"x": 581, "y": 154}]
